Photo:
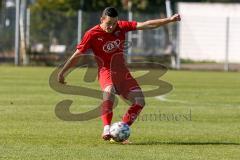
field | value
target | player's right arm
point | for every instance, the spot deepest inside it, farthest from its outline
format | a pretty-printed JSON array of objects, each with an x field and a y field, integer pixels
[
  {"x": 82, "y": 47},
  {"x": 71, "y": 62}
]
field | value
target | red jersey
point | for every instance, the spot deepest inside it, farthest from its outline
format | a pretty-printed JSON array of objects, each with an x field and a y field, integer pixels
[
  {"x": 108, "y": 49},
  {"x": 105, "y": 45}
]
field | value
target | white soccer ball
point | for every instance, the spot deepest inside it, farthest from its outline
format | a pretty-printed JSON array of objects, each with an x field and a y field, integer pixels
[{"x": 119, "y": 131}]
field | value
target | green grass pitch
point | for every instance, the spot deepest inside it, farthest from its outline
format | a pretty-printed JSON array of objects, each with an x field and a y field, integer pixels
[{"x": 29, "y": 129}]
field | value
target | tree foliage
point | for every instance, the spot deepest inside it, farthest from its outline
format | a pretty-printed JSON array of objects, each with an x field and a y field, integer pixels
[{"x": 98, "y": 5}]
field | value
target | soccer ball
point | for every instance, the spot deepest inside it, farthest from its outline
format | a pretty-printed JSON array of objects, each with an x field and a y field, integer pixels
[{"x": 119, "y": 131}]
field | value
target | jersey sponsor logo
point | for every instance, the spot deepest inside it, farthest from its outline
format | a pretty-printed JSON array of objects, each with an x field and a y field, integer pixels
[{"x": 111, "y": 46}]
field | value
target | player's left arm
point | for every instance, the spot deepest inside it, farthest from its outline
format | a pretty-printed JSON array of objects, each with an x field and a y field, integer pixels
[{"x": 151, "y": 24}]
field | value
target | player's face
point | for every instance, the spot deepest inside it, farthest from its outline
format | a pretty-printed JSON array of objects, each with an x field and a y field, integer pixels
[{"x": 108, "y": 23}]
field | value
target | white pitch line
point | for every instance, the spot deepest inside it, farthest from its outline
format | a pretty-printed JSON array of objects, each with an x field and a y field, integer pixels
[{"x": 163, "y": 98}]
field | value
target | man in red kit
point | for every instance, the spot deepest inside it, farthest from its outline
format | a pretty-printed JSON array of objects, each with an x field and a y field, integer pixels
[{"x": 107, "y": 40}]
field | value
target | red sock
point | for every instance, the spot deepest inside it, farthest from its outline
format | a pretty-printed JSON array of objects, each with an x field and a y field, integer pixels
[
  {"x": 132, "y": 114},
  {"x": 107, "y": 113}
]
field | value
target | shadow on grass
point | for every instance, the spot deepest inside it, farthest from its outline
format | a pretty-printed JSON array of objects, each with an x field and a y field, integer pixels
[{"x": 184, "y": 143}]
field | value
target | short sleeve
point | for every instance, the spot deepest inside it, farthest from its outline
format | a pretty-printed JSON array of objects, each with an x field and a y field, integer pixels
[
  {"x": 85, "y": 43},
  {"x": 128, "y": 25}
]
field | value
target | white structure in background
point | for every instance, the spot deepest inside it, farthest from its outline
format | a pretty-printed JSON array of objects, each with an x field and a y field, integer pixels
[
  {"x": 210, "y": 31},
  {"x": 60, "y": 49}
]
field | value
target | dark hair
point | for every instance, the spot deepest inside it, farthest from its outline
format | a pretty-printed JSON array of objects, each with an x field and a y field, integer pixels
[{"x": 110, "y": 11}]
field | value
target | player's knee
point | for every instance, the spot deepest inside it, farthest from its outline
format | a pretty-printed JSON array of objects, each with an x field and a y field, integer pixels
[
  {"x": 140, "y": 101},
  {"x": 108, "y": 96},
  {"x": 108, "y": 93}
]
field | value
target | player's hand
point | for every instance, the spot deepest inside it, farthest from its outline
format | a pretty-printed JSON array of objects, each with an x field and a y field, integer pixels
[
  {"x": 175, "y": 17},
  {"x": 61, "y": 78}
]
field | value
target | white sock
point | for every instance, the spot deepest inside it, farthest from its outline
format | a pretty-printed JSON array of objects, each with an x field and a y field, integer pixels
[{"x": 106, "y": 128}]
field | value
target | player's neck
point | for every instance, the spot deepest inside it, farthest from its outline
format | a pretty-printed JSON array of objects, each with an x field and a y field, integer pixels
[{"x": 102, "y": 27}]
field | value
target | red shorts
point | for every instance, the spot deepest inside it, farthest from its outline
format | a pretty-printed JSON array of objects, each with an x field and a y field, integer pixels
[{"x": 123, "y": 82}]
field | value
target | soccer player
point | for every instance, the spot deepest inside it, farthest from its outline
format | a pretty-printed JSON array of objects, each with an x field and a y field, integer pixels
[{"x": 107, "y": 40}]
